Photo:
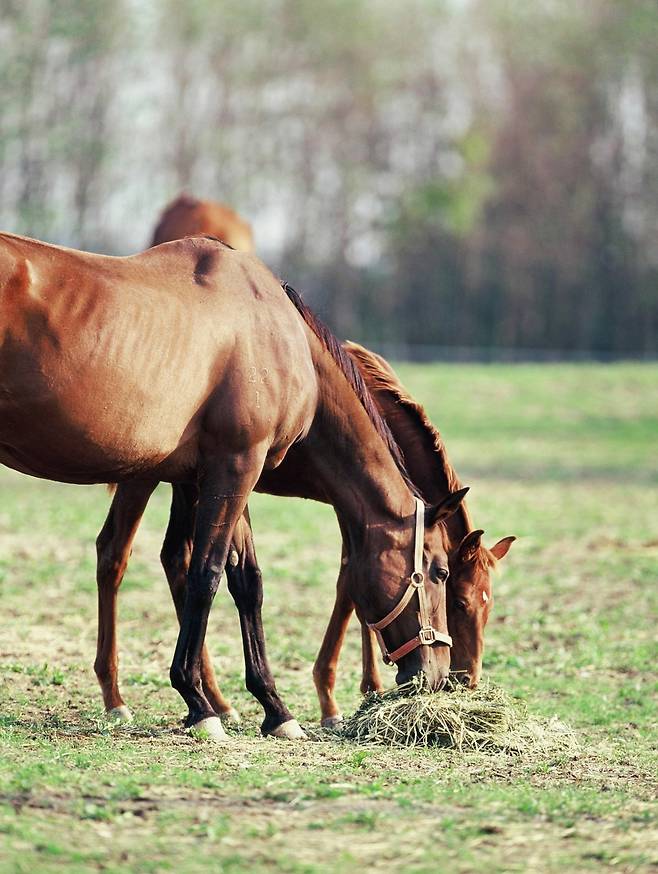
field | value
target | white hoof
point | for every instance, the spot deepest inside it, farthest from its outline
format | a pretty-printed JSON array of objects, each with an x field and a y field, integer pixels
[
  {"x": 120, "y": 714},
  {"x": 290, "y": 730},
  {"x": 230, "y": 717},
  {"x": 210, "y": 728},
  {"x": 332, "y": 721}
]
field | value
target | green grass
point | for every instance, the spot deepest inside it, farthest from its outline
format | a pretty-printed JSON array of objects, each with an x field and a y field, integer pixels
[{"x": 565, "y": 457}]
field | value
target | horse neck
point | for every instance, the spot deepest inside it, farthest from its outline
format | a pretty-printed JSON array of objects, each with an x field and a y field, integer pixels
[
  {"x": 351, "y": 462},
  {"x": 425, "y": 455}
]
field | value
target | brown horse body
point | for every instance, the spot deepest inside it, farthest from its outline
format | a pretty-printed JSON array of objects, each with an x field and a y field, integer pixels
[
  {"x": 111, "y": 367},
  {"x": 188, "y": 364}
]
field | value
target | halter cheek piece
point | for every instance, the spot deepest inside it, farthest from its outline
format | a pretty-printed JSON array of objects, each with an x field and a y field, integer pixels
[{"x": 427, "y": 634}]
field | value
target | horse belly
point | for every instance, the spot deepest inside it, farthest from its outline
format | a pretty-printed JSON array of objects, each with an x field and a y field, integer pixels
[
  {"x": 54, "y": 441},
  {"x": 87, "y": 417}
]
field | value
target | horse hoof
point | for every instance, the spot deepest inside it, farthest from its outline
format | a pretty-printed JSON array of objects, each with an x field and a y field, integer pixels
[
  {"x": 290, "y": 730},
  {"x": 231, "y": 717},
  {"x": 210, "y": 728},
  {"x": 120, "y": 714},
  {"x": 332, "y": 721}
]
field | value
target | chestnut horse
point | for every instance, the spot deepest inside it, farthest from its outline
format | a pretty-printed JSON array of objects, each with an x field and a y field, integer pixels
[
  {"x": 189, "y": 364},
  {"x": 188, "y": 217},
  {"x": 469, "y": 595}
]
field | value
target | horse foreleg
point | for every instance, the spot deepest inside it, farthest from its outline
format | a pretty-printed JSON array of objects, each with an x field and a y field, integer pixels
[
  {"x": 113, "y": 547},
  {"x": 245, "y": 583},
  {"x": 324, "y": 669},
  {"x": 371, "y": 679},
  {"x": 224, "y": 490},
  {"x": 175, "y": 557}
]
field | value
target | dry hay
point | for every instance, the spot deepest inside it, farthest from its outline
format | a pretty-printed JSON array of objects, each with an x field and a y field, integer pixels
[{"x": 485, "y": 719}]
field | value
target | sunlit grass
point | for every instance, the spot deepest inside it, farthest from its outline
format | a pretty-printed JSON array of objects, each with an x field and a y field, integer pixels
[{"x": 563, "y": 457}]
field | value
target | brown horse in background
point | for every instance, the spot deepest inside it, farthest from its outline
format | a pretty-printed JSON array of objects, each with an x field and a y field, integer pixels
[
  {"x": 188, "y": 217},
  {"x": 189, "y": 364}
]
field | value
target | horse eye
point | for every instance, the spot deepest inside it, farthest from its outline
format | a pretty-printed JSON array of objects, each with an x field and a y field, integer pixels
[
  {"x": 461, "y": 605},
  {"x": 441, "y": 573}
]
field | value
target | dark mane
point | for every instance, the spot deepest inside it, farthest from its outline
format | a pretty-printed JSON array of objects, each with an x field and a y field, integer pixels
[
  {"x": 384, "y": 379},
  {"x": 354, "y": 378}
]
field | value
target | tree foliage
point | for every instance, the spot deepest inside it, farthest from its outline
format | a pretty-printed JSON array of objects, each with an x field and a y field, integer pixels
[{"x": 476, "y": 174}]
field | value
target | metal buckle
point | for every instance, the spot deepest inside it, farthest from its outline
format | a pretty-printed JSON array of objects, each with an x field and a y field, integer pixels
[
  {"x": 427, "y": 636},
  {"x": 417, "y": 579}
]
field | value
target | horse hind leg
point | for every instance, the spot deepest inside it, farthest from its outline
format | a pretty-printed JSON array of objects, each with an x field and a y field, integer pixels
[
  {"x": 113, "y": 547},
  {"x": 245, "y": 583},
  {"x": 175, "y": 557}
]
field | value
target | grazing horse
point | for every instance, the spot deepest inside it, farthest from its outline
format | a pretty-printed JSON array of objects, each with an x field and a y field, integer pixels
[
  {"x": 190, "y": 364},
  {"x": 469, "y": 595},
  {"x": 188, "y": 217}
]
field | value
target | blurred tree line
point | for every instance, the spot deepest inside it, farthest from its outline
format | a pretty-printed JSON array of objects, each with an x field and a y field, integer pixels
[{"x": 481, "y": 173}]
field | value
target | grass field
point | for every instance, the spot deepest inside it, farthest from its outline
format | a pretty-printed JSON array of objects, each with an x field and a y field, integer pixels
[{"x": 565, "y": 457}]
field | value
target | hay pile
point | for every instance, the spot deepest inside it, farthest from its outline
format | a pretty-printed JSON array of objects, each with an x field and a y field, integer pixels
[{"x": 485, "y": 719}]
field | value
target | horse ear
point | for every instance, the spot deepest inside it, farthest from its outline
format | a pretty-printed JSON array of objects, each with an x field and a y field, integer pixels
[
  {"x": 470, "y": 545},
  {"x": 439, "y": 512},
  {"x": 501, "y": 548}
]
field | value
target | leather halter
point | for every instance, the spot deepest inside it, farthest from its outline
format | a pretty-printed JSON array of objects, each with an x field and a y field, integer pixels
[{"x": 427, "y": 634}]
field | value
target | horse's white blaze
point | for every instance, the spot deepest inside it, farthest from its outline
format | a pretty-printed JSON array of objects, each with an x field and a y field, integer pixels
[{"x": 485, "y": 597}]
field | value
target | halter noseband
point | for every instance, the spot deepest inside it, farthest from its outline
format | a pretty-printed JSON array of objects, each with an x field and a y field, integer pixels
[{"x": 427, "y": 634}]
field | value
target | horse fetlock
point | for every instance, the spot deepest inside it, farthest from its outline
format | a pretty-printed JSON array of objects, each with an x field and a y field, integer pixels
[
  {"x": 231, "y": 717},
  {"x": 209, "y": 728},
  {"x": 332, "y": 721},
  {"x": 289, "y": 730},
  {"x": 371, "y": 684},
  {"x": 120, "y": 714}
]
